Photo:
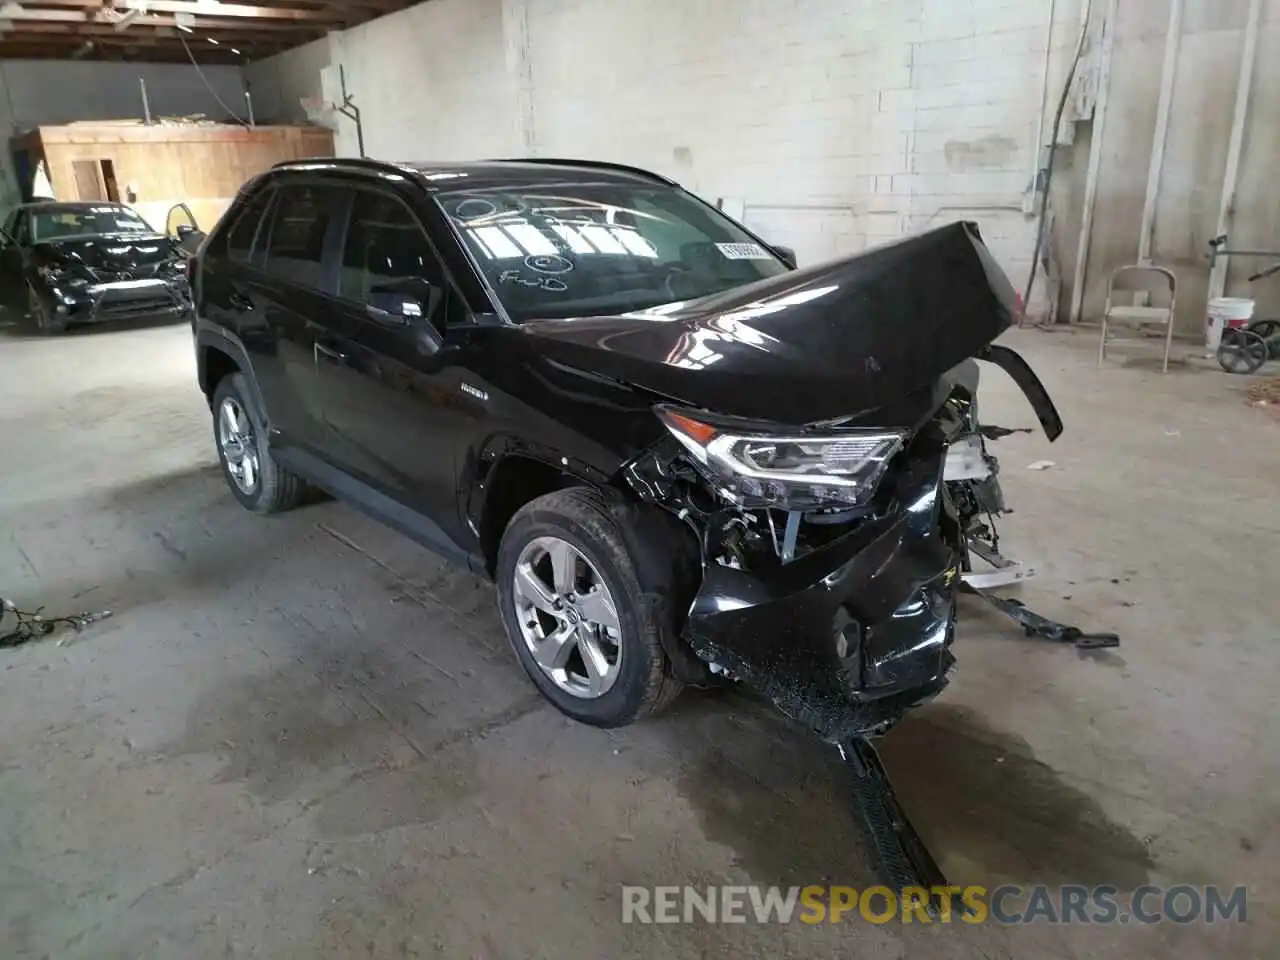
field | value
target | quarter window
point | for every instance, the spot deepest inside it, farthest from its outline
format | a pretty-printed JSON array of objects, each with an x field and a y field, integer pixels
[{"x": 245, "y": 228}]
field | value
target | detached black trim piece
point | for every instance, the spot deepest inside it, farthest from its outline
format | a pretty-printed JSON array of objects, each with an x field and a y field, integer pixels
[{"x": 1021, "y": 373}]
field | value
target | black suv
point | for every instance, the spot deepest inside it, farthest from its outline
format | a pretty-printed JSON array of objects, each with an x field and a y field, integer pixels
[{"x": 678, "y": 456}]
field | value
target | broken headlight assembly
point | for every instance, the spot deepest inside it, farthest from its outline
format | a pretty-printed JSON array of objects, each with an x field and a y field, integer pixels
[{"x": 787, "y": 469}]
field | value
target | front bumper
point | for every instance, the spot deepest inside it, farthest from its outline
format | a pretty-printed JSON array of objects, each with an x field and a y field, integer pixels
[
  {"x": 119, "y": 299},
  {"x": 849, "y": 636}
]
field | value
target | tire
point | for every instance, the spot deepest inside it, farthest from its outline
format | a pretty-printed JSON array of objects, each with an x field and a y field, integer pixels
[
  {"x": 46, "y": 323},
  {"x": 643, "y": 683},
  {"x": 271, "y": 488}
]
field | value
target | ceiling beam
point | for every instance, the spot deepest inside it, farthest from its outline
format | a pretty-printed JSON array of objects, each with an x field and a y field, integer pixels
[
  {"x": 230, "y": 32},
  {"x": 196, "y": 8}
]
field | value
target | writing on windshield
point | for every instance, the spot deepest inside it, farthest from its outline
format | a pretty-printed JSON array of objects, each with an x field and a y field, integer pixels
[{"x": 602, "y": 249}]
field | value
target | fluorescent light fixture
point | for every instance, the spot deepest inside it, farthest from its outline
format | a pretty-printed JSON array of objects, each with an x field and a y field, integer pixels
[
  {"x": 211, "y": 40},
  {"x": 235, "y": 51}
]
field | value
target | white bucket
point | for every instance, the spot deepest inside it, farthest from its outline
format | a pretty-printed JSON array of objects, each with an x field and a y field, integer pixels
[{"x": 1225, "y": 312}]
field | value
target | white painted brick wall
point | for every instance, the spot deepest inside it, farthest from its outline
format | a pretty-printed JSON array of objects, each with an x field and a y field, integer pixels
[{"x": 837, "y": 123}]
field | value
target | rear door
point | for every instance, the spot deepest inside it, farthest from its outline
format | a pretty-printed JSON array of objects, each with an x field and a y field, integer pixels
[
  {"x": 283, "y": 305},
  {"x": 392, "y": 399}
]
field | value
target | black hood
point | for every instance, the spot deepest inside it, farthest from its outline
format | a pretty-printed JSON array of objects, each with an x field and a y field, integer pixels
[
  {"x": 867, "y": 336},
  {"x": 112, "y": 252}
]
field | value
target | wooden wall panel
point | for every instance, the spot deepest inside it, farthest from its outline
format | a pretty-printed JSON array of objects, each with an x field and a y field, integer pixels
[{"x": 200, "y": 165}]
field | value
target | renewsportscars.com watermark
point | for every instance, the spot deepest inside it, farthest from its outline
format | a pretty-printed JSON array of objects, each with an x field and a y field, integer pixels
[{"x": 1008, "y": 904}]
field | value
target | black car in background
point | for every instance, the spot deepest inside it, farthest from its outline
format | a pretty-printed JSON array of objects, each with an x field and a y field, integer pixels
[
  {"x": 83, "y": 262},
  {"x": 678, "y": 456}
]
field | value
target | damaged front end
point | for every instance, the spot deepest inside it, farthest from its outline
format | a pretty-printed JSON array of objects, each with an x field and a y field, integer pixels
[
  {"x": 842, "y": 615},
  {"x": 832, "y": 552}
]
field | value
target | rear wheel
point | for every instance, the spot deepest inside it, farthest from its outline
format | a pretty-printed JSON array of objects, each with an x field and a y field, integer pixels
[
  {"x": 573, "y": 605},
  {"x": 252, "y": 473},
  {"x": 45, "y": 320}
]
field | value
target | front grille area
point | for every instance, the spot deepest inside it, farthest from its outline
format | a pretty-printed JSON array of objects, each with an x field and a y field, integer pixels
[
  {"x": 136, "y": 307},
  {"x": 143, "y": 271}
]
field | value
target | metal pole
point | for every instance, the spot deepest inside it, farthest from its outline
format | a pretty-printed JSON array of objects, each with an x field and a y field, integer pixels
[
  {"x": 1172, "y": 44},
  {"x": 146, "y": 107},
  {"x": 1218, "y": 275},
  {"x": 1095, "y": 162},
  {"x": 248, "y": 105},
  {"x": 1038, "y": 154}
]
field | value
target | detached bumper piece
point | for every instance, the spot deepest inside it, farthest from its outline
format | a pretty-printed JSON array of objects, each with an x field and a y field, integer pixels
[
  {"x": 902, "y": 859},
  {"x": 1037, "y": 626},
  {"x": 848, "y": 637}
]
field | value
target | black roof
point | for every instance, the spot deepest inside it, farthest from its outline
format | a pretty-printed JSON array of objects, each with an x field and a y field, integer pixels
[{"x": 482, "y": 174}]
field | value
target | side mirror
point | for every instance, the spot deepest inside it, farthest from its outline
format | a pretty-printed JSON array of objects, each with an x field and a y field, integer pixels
[
  {"x": 185, "y": 230},
  {"x": 785, "y": 254},
  {"x": 401, "y": 301}
]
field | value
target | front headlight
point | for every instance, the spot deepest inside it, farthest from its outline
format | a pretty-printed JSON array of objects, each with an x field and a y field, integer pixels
[
  {"x": 60, "y": 275},
  {"x": 789, "y": 470}
]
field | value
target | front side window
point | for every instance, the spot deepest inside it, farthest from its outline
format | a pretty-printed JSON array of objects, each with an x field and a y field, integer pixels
[
  {"x": 386, "y": 257},
  {"x": 577, "y": 250},
  {"x": 298, "y": 229},
  {"x": 60, "y": 223}
]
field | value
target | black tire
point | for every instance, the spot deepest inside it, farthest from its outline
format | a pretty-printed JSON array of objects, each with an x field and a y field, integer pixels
[
  {"x": 581, "y": 516},
  {"x": 1241, "y": 351},
  {"x": 46, "y": 323},
  {"x": 276, "y": 489}
]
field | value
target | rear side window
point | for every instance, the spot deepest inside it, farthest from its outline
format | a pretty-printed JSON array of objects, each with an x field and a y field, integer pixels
[
  {"x": 299, "y": 224},
  {"x": 245, "y": 228}
]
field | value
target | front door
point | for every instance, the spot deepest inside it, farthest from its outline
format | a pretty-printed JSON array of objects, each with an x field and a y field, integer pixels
[{"x": 391, "y": 391}]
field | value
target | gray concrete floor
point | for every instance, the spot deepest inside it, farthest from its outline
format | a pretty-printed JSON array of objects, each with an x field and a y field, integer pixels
[{"x": 304, "y": 736}]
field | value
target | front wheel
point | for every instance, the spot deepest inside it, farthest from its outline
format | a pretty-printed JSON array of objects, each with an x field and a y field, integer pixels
[
  {"x": 46, "y": 321},
  {"x": 574, "y": 609}
]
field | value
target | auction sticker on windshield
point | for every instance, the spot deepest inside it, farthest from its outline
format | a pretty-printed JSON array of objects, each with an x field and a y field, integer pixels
[{"x": 744, "y": 251}]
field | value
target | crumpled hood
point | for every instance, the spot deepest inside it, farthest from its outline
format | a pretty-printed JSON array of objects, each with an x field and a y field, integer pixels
[
  {"x": 866, "y": 336},
  {"x": 107, "y": 252}
]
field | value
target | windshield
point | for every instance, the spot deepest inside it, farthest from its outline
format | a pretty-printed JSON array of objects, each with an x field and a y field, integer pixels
[
  {"x": 62, "y": 222},
  {"x": 598, "y": 249}
]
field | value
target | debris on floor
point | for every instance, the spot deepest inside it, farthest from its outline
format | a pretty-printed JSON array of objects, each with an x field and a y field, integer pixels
[
  {"x": 1035, "y": 625},
  {"x": 1041, "y": 465},
  {"x": 31, "y": 626}
]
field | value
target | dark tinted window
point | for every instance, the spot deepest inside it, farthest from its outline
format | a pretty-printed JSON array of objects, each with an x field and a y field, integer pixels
[
  {"x": 385, "y": 247},
  {"x": 299, "y": 223},
  {"x": 240, "y": 236},
  {"x": 22, "y": 227}
]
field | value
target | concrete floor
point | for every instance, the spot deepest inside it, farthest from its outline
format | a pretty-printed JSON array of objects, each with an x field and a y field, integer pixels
[{"x": 304, "y": 736}]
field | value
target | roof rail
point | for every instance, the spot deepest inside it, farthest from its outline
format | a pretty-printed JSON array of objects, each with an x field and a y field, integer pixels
[
  {"x": 365, "y": 162},
  {"x": 595, "y": 164}
]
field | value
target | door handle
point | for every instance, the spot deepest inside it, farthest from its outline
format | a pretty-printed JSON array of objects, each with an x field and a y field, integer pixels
[
  {"x": 240, "y": 301},
  {"x": 336, "y": 355}
]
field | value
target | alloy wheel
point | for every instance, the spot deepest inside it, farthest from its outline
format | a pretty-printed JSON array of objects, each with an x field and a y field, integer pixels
[
  {"x": 567, "y": 617},
  {"x": 238, "y": 444}
]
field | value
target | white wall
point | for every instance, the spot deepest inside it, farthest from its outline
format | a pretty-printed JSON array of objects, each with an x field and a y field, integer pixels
[
  {"x": 34, "y": 92},
  {"x": 835, "y": 123}
]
